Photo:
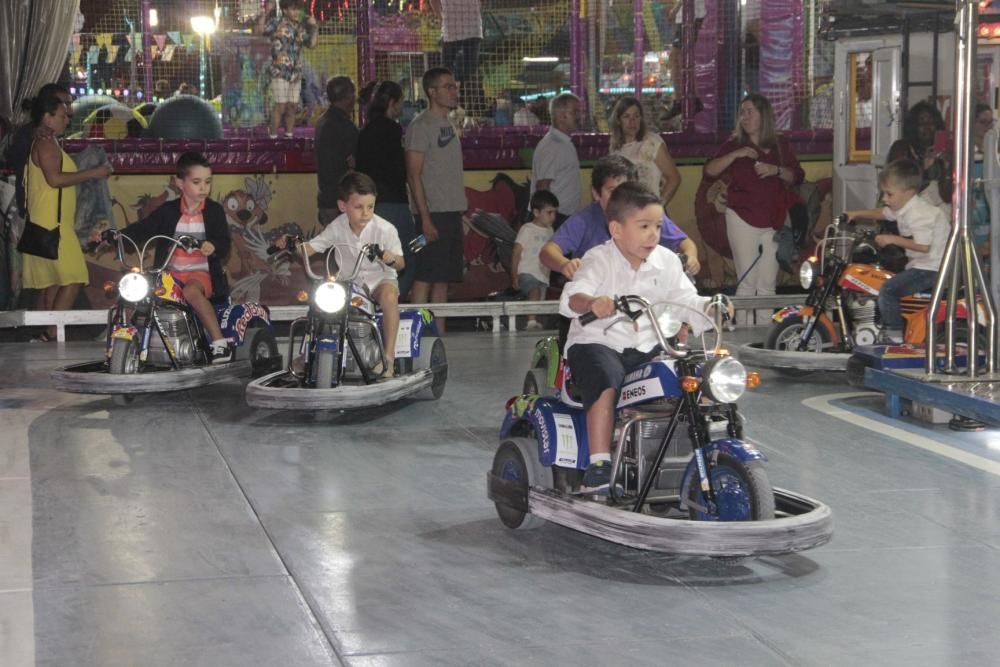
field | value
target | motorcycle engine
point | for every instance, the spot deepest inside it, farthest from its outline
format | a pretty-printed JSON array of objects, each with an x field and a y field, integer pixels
[
  {"x": 368, "y": 344},
  {"x": 175, "y": 329},
  {"x": 862, "y": 312},
  {"x": 650, "y": 433}
]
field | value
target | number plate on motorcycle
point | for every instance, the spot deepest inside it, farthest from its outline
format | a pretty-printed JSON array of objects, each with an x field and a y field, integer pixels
[
  {"x": 567, "y": 450},
  {"x": 403, "y": 334}
]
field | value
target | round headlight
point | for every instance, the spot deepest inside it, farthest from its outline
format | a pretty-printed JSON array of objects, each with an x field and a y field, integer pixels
[
  {"x": 806, "y": 274},
  {"x": 724, "y": 379},
  {"x": 330, "y": 297},
  {"x": 133, "y": 287}
]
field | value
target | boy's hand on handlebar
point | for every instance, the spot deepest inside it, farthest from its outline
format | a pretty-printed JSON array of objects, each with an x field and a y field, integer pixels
[
  {"x": 389, "y": 259},
  {"x": 603, "y": 306},
  {"x": 207, "y": 248},
  {"x": 569, "y": 268},
  {"x": 882, "y": 240}
]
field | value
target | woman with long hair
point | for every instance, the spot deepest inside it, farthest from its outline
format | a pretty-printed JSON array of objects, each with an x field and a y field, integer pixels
[
  {"x": 380, "y": 155},
  {"x": 646, "y": 150},
  {"x": 50, "y": 178},
  {"x": 760, "y": 169}
]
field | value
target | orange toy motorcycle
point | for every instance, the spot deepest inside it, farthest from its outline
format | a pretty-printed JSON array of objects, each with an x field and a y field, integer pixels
[{"x": 843, "y": 283}]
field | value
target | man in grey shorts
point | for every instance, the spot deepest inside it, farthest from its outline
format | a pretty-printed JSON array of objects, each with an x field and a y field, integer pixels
[{"x": 434, "y": 174}]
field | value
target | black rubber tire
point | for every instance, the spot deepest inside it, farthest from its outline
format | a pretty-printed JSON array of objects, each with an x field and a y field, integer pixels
[
  {"x": 508, "y": 463},
  {"x": 781, "y": 331},
  {"x": 124, "y": 361},
  {"x": 437, "y": 361},
  {"x": 263, "y": 346},
  {"x": 325, "y": 362},
  {"x": 530, "y": 384},
  {"x": 752, "y": 477},
  {"x": 856, "y": 371}
]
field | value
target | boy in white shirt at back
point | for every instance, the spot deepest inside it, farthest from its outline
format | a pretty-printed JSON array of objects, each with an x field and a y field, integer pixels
[
  {"x": 528, "y": 275},
  {"x": 356, "y": 226},
  {"x": 923, "y": 233}
]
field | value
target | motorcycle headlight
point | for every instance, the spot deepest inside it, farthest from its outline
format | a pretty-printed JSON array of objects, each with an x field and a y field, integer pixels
[
  {"x": 133, "y": 287},
  {"x": 330, "y": 297},
  {"x": 724, "y": 379},
  {"x": 806, "y": 274}
]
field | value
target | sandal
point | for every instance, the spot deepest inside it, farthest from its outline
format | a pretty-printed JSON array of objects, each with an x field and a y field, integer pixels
[{"x": 43, "y": 337}]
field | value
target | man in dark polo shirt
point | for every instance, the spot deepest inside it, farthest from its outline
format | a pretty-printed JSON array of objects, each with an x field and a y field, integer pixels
[{"x": 336, "y": 144}]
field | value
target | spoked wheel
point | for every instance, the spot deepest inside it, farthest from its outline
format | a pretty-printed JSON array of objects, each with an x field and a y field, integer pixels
[
  {"x": 263, "y": 349},
  {"x": 124, "y": 361},
  {"x": 785, "y": 337},
  {"x": 742, "y": 492},
  {"x": 510, "y": 464}
]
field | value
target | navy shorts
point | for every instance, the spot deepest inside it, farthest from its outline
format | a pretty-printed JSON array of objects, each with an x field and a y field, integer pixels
[
  {"x": 597, "y": 367},
  {"x": 443, "y": 261}
]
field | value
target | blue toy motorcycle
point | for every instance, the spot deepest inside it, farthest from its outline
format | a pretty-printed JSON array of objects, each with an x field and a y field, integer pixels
[{"x": 684, "y": 478}]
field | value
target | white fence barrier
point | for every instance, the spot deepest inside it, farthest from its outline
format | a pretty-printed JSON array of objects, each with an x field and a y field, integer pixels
[{"x": 492, "y": 309}]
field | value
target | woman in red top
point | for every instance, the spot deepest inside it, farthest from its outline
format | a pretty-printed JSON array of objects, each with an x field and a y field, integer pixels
[{"x": 760, "y": 168}]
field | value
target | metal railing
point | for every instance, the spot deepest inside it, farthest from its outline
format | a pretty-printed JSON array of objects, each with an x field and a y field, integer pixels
[{"x": 496, "y": 310}]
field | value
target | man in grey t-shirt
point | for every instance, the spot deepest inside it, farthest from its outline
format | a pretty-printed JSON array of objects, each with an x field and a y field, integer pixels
[{"x": 434, "y": 174}]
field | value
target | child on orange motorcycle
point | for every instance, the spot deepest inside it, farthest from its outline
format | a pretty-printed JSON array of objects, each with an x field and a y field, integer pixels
[
  {"x": 356, "y": 226},
  {"x": 924, "y": 230},
  {"x": 201, "y": 271}
]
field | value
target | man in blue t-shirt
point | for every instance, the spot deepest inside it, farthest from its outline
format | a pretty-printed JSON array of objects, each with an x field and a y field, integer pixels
[{"x": 588, "y": 227}]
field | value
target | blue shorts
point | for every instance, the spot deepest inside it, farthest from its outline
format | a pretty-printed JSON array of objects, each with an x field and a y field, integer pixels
[
  {"x": 527, "y": 282},
  {"x": 597, "y": 367}
]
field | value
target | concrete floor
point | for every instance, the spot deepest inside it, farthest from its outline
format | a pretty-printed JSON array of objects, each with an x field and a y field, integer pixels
[{"x": 190, "y": 529}]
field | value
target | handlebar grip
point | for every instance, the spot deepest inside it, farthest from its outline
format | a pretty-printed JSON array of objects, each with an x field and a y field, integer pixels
[{"x": 586, "y": 318}]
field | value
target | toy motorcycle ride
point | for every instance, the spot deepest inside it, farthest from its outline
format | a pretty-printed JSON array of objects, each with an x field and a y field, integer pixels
[
  {"x": 335, "y": 353},
  {"x": 155, "y": 341},
  {"x": 684, "y": 479},
  {"x": 839, "y": 313}
]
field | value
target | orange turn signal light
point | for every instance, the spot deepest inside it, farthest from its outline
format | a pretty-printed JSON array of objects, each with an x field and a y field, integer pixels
[
  {"x": 813, "y": 259},
  {"x": 110, "y": 288},
  {"x": 753, "y": 380},
  {"x": 357, "y": 302},
  {"x": 689, "y": 384},
  {"x": 160, "y": 291},
  {"x": 135, "y": 269},
  {"x": 302, "y": 296}
]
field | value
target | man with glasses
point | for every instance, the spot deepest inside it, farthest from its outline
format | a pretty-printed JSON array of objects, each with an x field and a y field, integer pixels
[{"x": 434, "y": 174}]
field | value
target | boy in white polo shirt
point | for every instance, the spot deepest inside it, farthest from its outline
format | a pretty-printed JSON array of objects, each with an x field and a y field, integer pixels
[
  {"x": 632, "y": 262},
  {"x": 923, "y": 233},
  {"x": 356, "y": 226}
]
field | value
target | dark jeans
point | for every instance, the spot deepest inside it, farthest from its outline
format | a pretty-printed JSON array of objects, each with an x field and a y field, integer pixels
[{"x": 902, "y": 284}]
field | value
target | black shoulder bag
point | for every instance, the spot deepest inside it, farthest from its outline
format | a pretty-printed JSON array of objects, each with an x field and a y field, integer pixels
[{"x": 35, "y": 239}]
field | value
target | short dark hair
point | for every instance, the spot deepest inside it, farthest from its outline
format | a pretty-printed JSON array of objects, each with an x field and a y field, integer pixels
[
  {"x": 612, "y": 166},
  {"x": 338, "y": 88},
  {"x": 904, "y": 174},
  {"x": 628, "y": 198},
  {"x": 431, "y": 77},
  {"x": 543, "y": 199},
  {"x": 355, "y": 183},
  {"x": 188, "y": 160},
  {"x": 291, "y": 4}
]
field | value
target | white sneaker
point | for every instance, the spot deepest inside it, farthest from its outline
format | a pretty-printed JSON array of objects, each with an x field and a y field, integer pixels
[
  {"x": 220, "y": 354},
  {"x": 533, "y": 325}
]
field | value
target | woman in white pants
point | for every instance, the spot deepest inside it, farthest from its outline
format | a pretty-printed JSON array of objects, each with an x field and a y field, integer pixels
[{"x": 760, "y": 169}]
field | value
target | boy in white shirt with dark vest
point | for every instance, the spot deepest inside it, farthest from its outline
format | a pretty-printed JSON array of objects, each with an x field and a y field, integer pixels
[
  {"x": 632, "y": 262},
  {"x": 923, "y": 233},
  {"x": 356, "y": 226}
]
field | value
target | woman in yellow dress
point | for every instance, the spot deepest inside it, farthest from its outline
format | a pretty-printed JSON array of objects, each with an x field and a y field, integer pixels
[{"x": 50, "y": 169}]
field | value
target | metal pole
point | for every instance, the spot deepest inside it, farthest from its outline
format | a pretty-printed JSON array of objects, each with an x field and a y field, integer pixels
[
  {"x": 575, "y": 61},
  {"x": 957, "y": 265},
  {"x": 687, "y": 44},
  {"x": 147, "y": 52},
  {"x": 366, "y": 44},
  {"x": 637, "y": 47}
]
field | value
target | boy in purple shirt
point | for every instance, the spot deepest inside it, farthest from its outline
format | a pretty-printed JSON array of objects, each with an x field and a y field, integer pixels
[{"x": 588, "y": 227}]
